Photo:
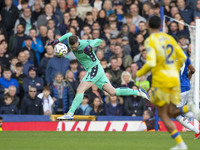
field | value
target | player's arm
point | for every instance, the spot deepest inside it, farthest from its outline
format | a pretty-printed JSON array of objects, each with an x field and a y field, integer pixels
[
  {"x": 92, "y": 43},
  {"x": 150, "y": 61},
  {"x": 95, "y": 43},
  {"x": 191, "y": 71},
  {"x": 65, "y": 37},
  {"x": 181, "y": 57},
  {"x": 62, "y": 38}
]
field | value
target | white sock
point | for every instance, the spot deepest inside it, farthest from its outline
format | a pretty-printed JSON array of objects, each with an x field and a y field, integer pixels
[
  {"x": 190, "y": 115},
  {"x": 186, "y": 123}
]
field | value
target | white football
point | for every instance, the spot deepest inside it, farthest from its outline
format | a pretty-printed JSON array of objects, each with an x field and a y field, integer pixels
[{"x": 60, "y": 49}]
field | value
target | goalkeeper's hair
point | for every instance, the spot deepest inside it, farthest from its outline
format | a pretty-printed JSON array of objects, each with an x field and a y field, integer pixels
[
  {"x": 73, "y": 39},
  {"x": 155, "y": 22}
]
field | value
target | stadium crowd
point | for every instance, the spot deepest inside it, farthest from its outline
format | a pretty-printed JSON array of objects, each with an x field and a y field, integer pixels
[{"x": 35, "y": 81}]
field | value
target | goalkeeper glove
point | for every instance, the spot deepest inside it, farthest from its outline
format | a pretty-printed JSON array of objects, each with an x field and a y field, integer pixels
[
  {"x": 87, "y": 49},
  {"x": 53, "y": 42}
]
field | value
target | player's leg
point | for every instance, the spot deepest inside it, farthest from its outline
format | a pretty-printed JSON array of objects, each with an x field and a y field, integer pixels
[
  {"x": 83, "y": 86},
  {"x": 124, "y": 91},
  {"x": 183, "y": 120},
  {"x": 163, "y": 114}
]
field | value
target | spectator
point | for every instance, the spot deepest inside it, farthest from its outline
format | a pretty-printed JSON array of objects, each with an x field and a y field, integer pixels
[
  {"x": 9, "y": 14},
  {"x": 143, "y": 29},
  {"x": 8, "y": 107},
  {"x": 31, "y": 104},
  {"x": 126, "y": 33},
  {"x": 50, "y": 36},
  {"x": 104, "y": 64},
  {"x": 141, "y": 48},
  {"x": 51, "y": 26},
  {"x": 26, "y": 64},
  {"x": 61, "y": 8},
  {"x": 115, "y": 71},
  {"x": 74, "y": 23},
  {"x": 183, "y": 42},
  {"x": 44, "y": 61},
  {"x": 100, "y": 54},
  {"x": 174, "y": 10},
  {"x": 197, "y": 10},
  {"x": 88, "y": 19},
  {"x": 71, "y": 82},
  {"x": 119, "y": 11},
  {"x": 26, "y": 20},
  {"x": 126, "y": 59},
  {"x": 65, "y": 24},
  {"x": 12, "y": 92},
  {"x": 134, "y": 105},
  {"x": 143, "y": 83},
  {"x": 84, "y": 108},
  {"x": 126, "y": 79},
  {"x": 142, "y": 59},
  {"x": 113, "y": 28},
  {"x": 97, "y": 5},
  {"x": 107, "y": 6},
  {"x": 70, "y": 5},
  {"x": 16, "y": 40},
  {"x": 43, "y": 34},
  {"x": 31, "y": 52},
  {"x": 134, "y": 69},
  {"x": 126, "y": 49},
  {"x": 36, "y": 45},
  {"x": 149, "y": 122},
  {"x": 7, "y": 81},
  {"x": 93, "y": 92},
  {"x": 73, "y": 15},
  {"x": 126, "y": 6},
  {"x": 52, "y": 67},
  {"x": 97, "y": 109},
  {"x": 32, "y": 80},
  {"x": 49, "y": 14},
  {"x": 96, "y": 34},
  {"x": 47, "y": 101},
  {"x": 61, "y": 94},
  {"x": 13, "y": 62},
  {"x": 139, "y": 40},
  {"x": 134, "y": 10},
  {"x": 83, "y": 8},
  {"x": 4, "y": 57},
  {"x": 95, "y": 13},
  {"x": 102, "y": 18},
  {"x": 150, "y": 106},
  {"x": 186, "y": 13},
  {"x": 74, "y": 68},
  {"x": 114, "y": 106},
  {"x": 37, "y": 10},
  {"x": 146, "y": 7}
]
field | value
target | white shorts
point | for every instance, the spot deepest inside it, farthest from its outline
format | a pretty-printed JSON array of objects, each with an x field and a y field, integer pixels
[{"x": 184, "y": 98}]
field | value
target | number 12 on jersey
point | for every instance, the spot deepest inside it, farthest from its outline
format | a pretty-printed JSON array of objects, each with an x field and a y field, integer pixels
[{"x": 168, "y": 53}]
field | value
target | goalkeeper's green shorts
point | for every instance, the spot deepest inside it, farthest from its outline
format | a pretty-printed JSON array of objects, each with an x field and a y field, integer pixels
[{"x": 97, "y": 76}]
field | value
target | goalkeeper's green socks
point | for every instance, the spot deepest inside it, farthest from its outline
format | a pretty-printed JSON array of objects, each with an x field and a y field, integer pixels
[
  {"x": 76, "y": 102},
  {"x": 126, "y": 92}
]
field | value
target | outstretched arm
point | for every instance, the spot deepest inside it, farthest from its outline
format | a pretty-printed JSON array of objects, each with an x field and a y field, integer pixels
[
  {"x": 95, "y": 43},
  {"x": 64, "y": 37}
]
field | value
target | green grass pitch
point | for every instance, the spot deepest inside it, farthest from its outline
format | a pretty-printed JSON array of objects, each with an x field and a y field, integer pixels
[{"x": 33, "y": 140}]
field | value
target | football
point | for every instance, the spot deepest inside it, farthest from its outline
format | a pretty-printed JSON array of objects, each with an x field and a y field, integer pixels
[{"x": 60, "y": 49}]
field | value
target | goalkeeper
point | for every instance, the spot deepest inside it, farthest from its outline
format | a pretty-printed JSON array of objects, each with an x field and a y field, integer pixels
[{"x": 83, "y": 50}]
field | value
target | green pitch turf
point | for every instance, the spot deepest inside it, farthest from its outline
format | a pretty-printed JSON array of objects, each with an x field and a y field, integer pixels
[{"x": 19, "y": 140}]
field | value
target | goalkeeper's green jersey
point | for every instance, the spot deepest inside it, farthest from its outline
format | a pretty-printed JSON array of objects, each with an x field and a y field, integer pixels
[{"x": 88, "y": 60}]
